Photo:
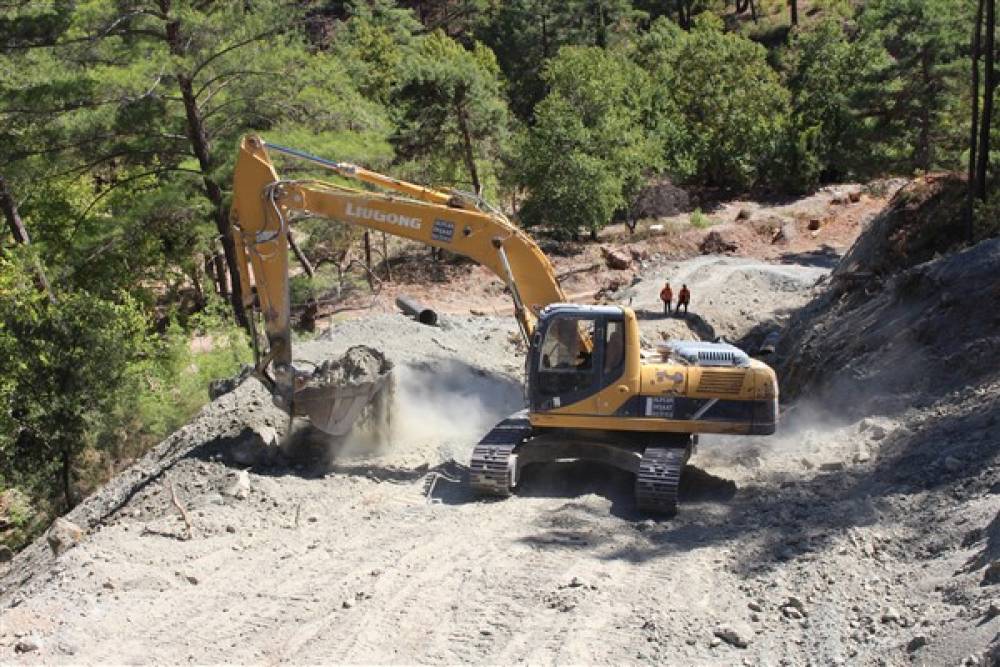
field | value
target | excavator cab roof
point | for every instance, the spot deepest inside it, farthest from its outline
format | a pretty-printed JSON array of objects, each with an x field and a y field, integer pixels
[{"x": 580, "y": 310}]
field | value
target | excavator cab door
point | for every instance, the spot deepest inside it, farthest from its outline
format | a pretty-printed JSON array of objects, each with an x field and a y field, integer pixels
[{"x": 575, "y": 353}]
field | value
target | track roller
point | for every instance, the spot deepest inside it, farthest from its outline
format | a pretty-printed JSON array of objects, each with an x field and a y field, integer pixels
[
  {"x": 659, "y": 477},
  {"x": 492, "y": 470}
]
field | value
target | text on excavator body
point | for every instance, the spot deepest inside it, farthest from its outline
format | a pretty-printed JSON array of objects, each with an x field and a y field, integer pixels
[{"x": 364, "y": 213}]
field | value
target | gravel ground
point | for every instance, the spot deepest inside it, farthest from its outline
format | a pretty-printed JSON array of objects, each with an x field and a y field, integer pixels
[{"x": 838, "y": 541}]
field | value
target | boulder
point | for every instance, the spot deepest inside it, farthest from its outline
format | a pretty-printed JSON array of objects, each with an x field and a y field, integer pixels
[
  {"x": 220, "y": 387},
  {"x": 638, "y": 254},
  {"x": 715, "y": 243},
  {"x": 63, "y": 535},
  {"x": 616, "y": 259},
  {"x": 735, "y": 634},
  {"x": 240, "y": 489},
  {"x": 785, "y": 234},
  {"x": 258, "y": 445},
  {"x": 27, "y": 645},
  {"x": 992, "y": 574}
]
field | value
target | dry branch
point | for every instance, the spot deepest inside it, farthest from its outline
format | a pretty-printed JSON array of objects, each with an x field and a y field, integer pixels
[{"x": 180, "y": 508}]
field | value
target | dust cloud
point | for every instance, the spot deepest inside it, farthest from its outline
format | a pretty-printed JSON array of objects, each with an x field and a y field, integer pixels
[
  {"x": 437, "y": 408},
  {"x": 810, "y": 431}
]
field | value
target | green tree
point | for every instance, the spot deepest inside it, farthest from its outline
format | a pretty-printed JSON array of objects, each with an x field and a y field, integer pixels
[
  {"x": 728, "y": 101},
  {"x": 910, "y": 92},
  {"x": 591, "y": 142},
  {"x": 371, "y": 41},
  {"x": 525, "y": 34},
  {"x": 451, "y": 108},
  {"x": 148, "y": 102},
  {"x": 823, "y": 139},
  {"x": 66, "y": 366}
]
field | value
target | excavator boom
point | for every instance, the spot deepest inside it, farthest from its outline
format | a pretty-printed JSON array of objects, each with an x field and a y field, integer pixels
[{"x": 264, "y": 206}]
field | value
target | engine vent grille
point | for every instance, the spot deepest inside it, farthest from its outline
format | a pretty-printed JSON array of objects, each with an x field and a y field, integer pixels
[
  {"x": 698, "y": 353},
  {"x": 720, "y": 382}
]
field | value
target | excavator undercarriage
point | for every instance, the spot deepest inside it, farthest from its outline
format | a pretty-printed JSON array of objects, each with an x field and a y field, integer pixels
[{"x": 656, "y": 460}]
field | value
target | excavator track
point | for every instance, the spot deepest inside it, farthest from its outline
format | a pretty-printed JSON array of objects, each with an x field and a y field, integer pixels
[
  {"x": 493, "y": 465},
  {"x": 659, "y": 477}
]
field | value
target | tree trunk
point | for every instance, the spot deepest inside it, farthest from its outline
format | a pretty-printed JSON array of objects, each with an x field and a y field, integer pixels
[
  {"x": 989, "y": 85},
  {"x": 742, "y": 6},
  {"x": 20, "y": 233},
  {"x": 9, "y": 207},
  {"x": 209, "y": 262},
  {"x": 974, "y": 132},
  {"x": 923, "y": 148},
  {"x": 198, "y": 284},
  {"x": 301, "y": 256},
  {"x": 67, "y": 478},
  {"x": 385, "y": 258},
  {"x": 199, "y": 143},
  {"x": 602, "y": 27},
  {"x": 368, "y": 258},
  {"x": 683, "y": 14},
  {"x": 545, "y": 36},
  {"x": 470, "y": 160},
  {"x": 793, "y": 7}
]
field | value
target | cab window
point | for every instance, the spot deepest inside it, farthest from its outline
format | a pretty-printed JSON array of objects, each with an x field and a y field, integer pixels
[
  {"x": 568, "y": 345},
  {"x": 614, "y": 349}
]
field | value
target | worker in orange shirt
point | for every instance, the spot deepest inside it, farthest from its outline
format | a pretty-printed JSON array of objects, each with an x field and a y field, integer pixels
[
  {"x": 666, "y": 296},
  {"x": 683, "y": 299}
]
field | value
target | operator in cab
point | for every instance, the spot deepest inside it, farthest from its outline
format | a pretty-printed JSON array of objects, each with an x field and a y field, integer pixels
[{"x": 562, "y": 347}]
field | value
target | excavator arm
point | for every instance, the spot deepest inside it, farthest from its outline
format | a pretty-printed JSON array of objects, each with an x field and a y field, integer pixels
[{"x": 264, "y": 206}]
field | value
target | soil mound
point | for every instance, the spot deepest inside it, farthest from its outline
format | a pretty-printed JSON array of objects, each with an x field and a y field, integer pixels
[
  {"x": 659, "y": 198},
  {"x": 921, "y": 221},
  {"x": 929, "y": 329},
  {"x": 360, "y": 364}
]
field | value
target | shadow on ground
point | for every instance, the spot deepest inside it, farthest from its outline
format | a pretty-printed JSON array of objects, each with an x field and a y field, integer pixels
[
  {"x": 577, "y": 479},
  {"x": 695, "y": 322},
  {"x": 826, "y": 257}
]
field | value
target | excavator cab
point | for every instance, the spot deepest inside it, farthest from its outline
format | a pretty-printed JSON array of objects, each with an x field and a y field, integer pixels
[{"x": 576, "y": 352}]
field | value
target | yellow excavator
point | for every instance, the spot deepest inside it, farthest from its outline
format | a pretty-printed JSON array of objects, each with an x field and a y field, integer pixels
[{"x": 591, "y": 395}]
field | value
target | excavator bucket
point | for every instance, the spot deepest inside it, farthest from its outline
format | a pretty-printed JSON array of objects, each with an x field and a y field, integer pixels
[
  {"x": 335, "y": 409},
  {"x": 342, "y": 391}
]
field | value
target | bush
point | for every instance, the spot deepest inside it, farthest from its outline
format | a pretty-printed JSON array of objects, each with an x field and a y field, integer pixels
[
  {"x": 67, "y": 366},
  {"x": 585, "y": 156},
  {"x": 700, "y": 220},
  {"x": 175, "y": 378},
  {"x": 721, "y": 90}
]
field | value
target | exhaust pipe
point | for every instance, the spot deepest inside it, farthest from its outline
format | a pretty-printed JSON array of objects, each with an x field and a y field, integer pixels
[{"x": 412, "y": 307}]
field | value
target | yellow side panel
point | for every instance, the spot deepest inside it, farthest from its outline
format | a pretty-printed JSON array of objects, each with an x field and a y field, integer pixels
[{"x": 638, "y": 424}]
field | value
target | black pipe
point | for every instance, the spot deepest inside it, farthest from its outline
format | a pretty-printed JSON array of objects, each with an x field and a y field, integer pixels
[{"x": 411, "y": 306}]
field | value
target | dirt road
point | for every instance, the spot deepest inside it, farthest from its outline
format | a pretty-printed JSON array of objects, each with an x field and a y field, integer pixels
[{"x": 791, "y": 550}]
